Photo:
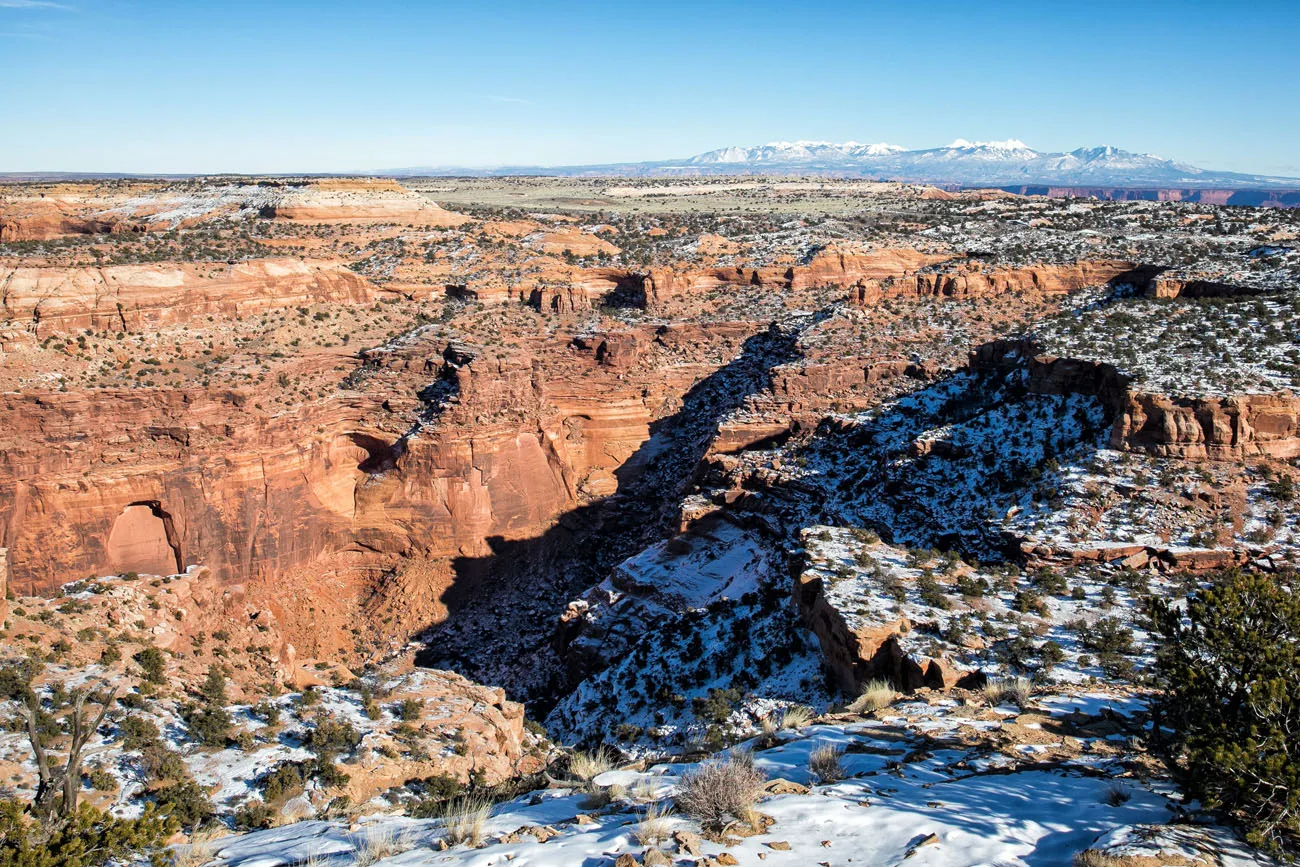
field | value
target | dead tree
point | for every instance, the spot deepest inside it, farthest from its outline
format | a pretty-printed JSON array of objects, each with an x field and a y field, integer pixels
[{"x": 54, "y": 778}]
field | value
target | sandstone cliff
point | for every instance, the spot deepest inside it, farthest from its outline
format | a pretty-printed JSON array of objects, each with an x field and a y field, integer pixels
[{"x": 131, "y": 297}]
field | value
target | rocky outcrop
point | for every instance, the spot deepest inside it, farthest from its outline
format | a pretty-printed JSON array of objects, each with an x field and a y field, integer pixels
[
  {"x": 830, "y": 266},
  {"x": 487, "y": 731},
  {"x": 131, "y": 297},
  {"x": 861, "y": 635},
  {"x": 46, "y": 226},
  {"x": 1177, "y": 284},
  {"x": 979, "y": 279},
  {"x": 861, "y": 653},
  {"x": 843, "y": 267},
  {"x": 1234, "y": 427}
]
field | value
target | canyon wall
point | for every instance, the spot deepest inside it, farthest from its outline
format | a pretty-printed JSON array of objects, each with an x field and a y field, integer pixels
[
  {"x": 153, "y": 480},
  {"x": 130, "y": 297},
  {"x": 979, "y": 280}
]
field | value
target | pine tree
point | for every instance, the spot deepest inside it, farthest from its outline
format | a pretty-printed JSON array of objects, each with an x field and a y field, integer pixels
[{"x": 1230, "y": 667}]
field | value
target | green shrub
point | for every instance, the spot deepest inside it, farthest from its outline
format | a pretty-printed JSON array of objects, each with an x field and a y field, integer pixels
[
  {"x": 253, "y": 815},
  {"x": 185, "y": 802},
  {"x": 330, "y": 737},
  {"x": 410, "y": 709},
  {"x": 92, "y": 838},
  {"x": 152, "y": 663}
]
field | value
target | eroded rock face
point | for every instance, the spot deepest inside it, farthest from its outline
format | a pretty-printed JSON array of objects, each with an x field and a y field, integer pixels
[
  {"x": 1223, "y": 428},
  {"x": 131, "y": 297},
  {"x": 863, "y": 637},
  {"x": 152, "y": 480},
  {"x": 135, "y": 480}
]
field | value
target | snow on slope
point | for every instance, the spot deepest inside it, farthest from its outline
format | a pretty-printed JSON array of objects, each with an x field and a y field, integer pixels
[{"x": 915, "y": 790}]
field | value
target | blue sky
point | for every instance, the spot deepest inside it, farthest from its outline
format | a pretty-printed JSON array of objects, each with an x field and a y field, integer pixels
[{"x": 200, "y": 86}]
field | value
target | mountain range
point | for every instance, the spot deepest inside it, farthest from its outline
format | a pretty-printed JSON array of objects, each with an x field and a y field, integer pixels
[{"x": 961, "y": 163}]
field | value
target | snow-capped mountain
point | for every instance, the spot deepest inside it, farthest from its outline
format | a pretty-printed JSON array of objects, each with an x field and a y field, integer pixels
[
  {"x": 797, "y": 151},
  {"x": 1010, "y": 163},
  {"x": 984, "y": 163}
]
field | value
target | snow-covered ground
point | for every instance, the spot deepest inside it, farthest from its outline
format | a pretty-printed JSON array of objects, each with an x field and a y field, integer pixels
[
  {"x": 1186, "y": 347},
  {"x": 704, "y": 616}
]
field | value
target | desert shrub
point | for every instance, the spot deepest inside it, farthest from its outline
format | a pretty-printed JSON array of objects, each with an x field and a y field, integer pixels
[
  {"x": 434, "y": 793},
  {"x": 136, "y": 732},
  {"x": 931, "y": 592},
  {"x": 209, "y": 721},
  {"x": 267, "y": 712},
  {"x": 152, "y": 663},
  {"x": 1108, "y": 636},
  {"x": 410, "y": 709},
  {"x": 717, "y": 790},
  {"x": 101, "y": 780},
  {"x": 717, "y": 707},
  {"x": 330, "y": 737},
  {"x": 1230, "y": 668},
  {"x": 210, "y": 726},
  {"x": 1282, "y": 488},
  {"x": 1050, "y": 582},
  {"x": 1029, "y": 602},
  {"x": 284, "y": 781}
]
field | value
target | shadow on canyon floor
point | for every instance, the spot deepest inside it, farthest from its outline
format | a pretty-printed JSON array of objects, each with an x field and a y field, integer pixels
[{"x": 503, "y": 609}]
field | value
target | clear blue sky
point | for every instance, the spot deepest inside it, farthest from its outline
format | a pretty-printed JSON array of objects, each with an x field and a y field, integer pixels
[{"x": 207, "y": 86}]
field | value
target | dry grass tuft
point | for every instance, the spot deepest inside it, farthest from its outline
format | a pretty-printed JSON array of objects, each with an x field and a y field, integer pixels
[
  {"x": 825, "y": 763},
  {"x": 645, "y": 790},
  {"x": 796, "y": 716},
  {"x": 654, "y": 826},
  {"x": 465, "y": 819},
  {"x": 381, "y": 843},
  {"x": 200, "y": 850},
  {"x": 1116, "y": 795},
  {"x": 587, "y": 766},
  {"x": 1017, "y": 690},
  {"x": 875, "y": 695}
]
